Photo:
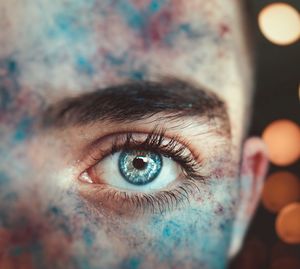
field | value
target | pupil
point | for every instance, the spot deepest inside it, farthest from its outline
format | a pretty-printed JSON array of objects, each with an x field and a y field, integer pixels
[{"x": 139, "y": 163}]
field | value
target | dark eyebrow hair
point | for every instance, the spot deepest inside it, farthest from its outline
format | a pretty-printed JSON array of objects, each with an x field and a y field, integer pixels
[{"x": 135, "y": 101}]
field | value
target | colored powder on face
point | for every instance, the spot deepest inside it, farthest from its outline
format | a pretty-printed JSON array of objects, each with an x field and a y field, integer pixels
[
  {"x": 10, "y": 197},
  {"x": 8, "y": 66},
  {"x": 171, "y": 230},
  {"x": 83, "y": 65},
  {"x": 132, "y": 263},
  {"x": 12, "y": 66},
  {"x": 137, "y": 75},
  {"x": 55, "y": 211},
  {"x": 134, "y": 17},
  {"x": 3, "y": 179},
  {"x": 66, "y": 26},
  {"x": 23, "y": 129},
  {"x": 115, "y": 60},
  {"x": 156, "y": 5},
  {"x": 9, "y": 72},
  {"x": 88, "y": 237},
  {"x": 82, "y": 263}
]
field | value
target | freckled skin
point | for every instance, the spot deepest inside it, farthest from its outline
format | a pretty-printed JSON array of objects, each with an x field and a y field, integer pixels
[{"x": 52, "y": 50}]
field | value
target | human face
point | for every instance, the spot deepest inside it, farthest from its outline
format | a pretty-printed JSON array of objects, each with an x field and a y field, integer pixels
[{"x": 121, "y": 128}]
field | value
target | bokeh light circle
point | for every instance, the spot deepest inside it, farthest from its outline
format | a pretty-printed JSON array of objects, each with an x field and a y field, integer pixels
[
  {"x": 280, "y": 23},
  {"x": 283, "y": 141},
  {"x": 288, "y": 224},
  {"x": 280, "y": 189}
]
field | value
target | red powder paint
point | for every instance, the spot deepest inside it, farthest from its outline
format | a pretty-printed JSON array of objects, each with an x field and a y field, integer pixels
[
  {"x": 224, "y": 29},
  {"x": 160, "y": 25}
]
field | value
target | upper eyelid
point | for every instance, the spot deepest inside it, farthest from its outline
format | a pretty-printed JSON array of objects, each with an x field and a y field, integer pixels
[
  {"x": 197, "y": 130},
  {"x": 95, "y": 145}
]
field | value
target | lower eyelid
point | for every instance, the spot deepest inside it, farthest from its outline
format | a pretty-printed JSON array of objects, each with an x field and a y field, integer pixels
[{"x": 109, "y": 200}]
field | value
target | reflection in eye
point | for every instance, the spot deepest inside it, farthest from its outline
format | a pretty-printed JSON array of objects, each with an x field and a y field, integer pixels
[{"x": 152, "y": 169}]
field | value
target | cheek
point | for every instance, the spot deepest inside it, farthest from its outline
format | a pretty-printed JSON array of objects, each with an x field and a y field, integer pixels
[{"x": 194, "y": 234}]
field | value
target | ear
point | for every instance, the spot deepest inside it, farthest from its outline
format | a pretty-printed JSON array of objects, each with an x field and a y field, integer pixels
[{"x": 252, "y": 175}]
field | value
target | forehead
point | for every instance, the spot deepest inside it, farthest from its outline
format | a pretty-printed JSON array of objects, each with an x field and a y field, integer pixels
[{"x": 60, "y": 48}]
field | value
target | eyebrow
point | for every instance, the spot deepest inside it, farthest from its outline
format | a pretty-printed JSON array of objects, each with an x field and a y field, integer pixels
[{"x": 134, "y": 101}]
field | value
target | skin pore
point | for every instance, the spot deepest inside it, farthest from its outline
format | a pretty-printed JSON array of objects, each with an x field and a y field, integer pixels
[{"x": 186, "y": 63}]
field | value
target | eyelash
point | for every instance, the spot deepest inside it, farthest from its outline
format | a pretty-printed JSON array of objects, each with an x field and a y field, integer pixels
[{"x": 162, "y": 200}]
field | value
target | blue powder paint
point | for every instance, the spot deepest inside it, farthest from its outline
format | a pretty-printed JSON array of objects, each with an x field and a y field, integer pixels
[
  {"x": 132, "y": 263},
  {"x": 75, "y": 6},
  {"x": 65, "y": 23},
  {"x": 82, "y": 263},
  {"x": 23, "y": 129},
  {"x": 66, "y": 26},
  {"x": 172, "y": 229},
  {"x": 115, "y": 60},
  {"x": 156, "y": 5},
  {"x": 189, "y": 31},
  {"x": 10, "y": 197},
  {"x": 8, "y": 82},
  {"x": 183, "y": 29},
  {"x": 88, "y": 237},
  {"x": 53, "y": 210},
  {"x": 134, "y": 18},
  {"x": 167, "y": 231},
  {"x": 3, "y": 179},
  {"x": 61, "y": 220},
  {"x": 137, "y": 75},
  {"x": 38, "y": 254},
  {"x": 10, "y": 65},
  {"x": 65, "y": 228},
  {"x": 84, "y": 65},
  {"x": 139, "y": 19},
  {"x": 5, "y": 96}
]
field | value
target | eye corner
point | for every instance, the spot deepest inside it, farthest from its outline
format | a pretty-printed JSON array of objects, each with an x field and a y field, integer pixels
[{"x": 84, "y": 177}]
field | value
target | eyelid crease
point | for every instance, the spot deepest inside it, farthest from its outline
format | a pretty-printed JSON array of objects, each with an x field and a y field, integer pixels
[{"x": 118, "y": 138}]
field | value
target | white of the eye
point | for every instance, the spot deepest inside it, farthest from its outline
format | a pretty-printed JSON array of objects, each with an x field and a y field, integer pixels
[{"x": 108, "y": 171}]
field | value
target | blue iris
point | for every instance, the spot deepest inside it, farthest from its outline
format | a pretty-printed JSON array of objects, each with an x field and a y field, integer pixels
[{"x": 139, "y": 167}]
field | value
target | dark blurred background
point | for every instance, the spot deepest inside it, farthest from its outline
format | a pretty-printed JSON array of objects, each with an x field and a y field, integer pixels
[{"x": 277, "y": 97}]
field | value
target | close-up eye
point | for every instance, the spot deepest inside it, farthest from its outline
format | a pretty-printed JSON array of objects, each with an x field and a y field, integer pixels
[
  {"x": 137, "y": 170},
  {"x": 143, "y": 169}
]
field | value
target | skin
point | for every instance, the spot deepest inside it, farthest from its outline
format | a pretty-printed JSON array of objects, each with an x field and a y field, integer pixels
[{"x": 54, "y": 50}]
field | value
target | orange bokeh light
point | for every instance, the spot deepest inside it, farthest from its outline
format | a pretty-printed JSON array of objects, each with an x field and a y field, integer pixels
[
  {"x": 280, "y": 23},
  {"x": 288, "y": 224},
  {"x": 280, "y": 189},
  {"x": 283, "y": 140}
]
